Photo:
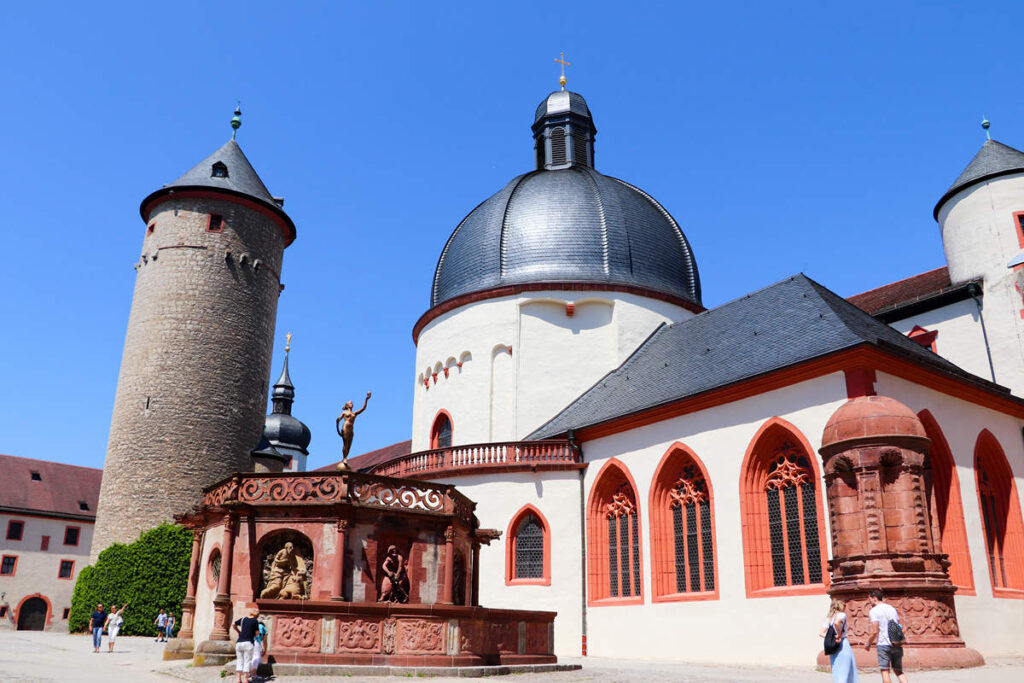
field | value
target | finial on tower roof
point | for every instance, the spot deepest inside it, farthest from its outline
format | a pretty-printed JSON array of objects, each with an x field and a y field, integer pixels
[
  {"x": 561, "y": 79},
  {"x": 236, "y": 120},
  {"x": 985, "y": 123},
  {"x": 288, "y": 342}
]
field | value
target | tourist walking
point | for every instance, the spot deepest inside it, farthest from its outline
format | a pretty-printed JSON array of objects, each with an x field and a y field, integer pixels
[
  {"x": 246, "y": 627},
  {"x": 844, "y": 667},
  {"x": 169, "y": 629},
  {"x": 259, "y": 645},
  {"x": 96, "y": 622},
  {"x": 890, "y": 654},
  {"x": 161, "y": 626},
  {"x": 114, "y": 621}
]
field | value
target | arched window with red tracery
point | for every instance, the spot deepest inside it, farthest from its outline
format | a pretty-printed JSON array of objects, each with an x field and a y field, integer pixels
[
  {"x": 782, "y": 514},
  {"x": 948, "y": 508},
  {"x": 682, "y": 528},
  {"x": 613, "y": 537},
  {"x": 441, "y": 431},
  {"x": 528, "y": 556},
  {"x": 1001, "y": 517}
]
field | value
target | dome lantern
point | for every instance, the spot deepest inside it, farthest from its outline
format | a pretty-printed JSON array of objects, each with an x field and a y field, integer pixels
[{"x": 563, "y": 132}]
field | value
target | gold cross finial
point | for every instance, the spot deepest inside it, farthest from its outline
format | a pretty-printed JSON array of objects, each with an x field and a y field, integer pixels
[
  {"x": 288, "y": 342},
  {"x": 561, "y": 60}
]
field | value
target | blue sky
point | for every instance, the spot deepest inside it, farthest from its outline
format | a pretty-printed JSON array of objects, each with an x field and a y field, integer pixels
[{"x": 783, "y": 137}]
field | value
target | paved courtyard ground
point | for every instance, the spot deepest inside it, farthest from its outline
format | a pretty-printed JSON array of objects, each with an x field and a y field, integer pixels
[{"x": 35, "y": 657}]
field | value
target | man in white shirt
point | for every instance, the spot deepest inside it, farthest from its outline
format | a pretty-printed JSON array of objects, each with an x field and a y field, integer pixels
[{"x": 890, "y": 656}]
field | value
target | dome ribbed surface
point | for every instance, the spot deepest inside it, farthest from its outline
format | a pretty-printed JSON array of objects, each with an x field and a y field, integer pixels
[
  {"x": 572, "y": 225},
  {"x": 562, "y": 102}
]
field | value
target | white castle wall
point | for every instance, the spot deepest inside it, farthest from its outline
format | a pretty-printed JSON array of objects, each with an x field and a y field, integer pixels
[
  {"x": 960, "y": 339},
  {"x": 493, "y": 394},
  {"x": 980, "y": 237}
]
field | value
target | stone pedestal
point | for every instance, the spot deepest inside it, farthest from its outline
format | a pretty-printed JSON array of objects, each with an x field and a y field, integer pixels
[
  {"x": 214, "y": 653},
  {"x": 885, "y": 534},
  {"x": 179, "y": 648}
]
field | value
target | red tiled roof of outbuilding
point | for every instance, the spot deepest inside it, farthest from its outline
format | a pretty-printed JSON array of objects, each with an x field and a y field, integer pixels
[
  {"x": 59, "y": 489},
  {"x": 902, "y": 291},
  {"x": 381, "y": 455}
]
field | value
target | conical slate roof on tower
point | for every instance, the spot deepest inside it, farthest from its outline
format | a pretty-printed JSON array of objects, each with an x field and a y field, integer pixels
[{"x": 992, "y": 160}]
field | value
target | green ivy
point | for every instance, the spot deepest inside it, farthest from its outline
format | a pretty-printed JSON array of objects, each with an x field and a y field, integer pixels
[{"x": 148, "y": 575}]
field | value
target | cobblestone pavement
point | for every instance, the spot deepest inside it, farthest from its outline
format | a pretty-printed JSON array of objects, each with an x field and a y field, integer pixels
[{"x": 35, "y": 657}]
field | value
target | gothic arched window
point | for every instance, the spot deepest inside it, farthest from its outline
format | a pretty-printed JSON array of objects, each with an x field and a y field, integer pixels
[
  {"x": 682, "y": 523},
  {"x": 782, "y": 520},
  {"x": 528, "y": 556},
  {"x": 441, "y": 432},
  {"x": 1000, "y": 516},
  {"x": 613, "y": 537}
]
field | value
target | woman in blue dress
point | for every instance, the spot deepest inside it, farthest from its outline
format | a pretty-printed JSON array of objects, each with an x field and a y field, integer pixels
[{"x": 844, "y": 667}]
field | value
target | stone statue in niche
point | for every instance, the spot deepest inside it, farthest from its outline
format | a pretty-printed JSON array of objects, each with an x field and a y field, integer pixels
[
  {"x": 286, "y": 571},
  {"x": 394, "y": 586}
]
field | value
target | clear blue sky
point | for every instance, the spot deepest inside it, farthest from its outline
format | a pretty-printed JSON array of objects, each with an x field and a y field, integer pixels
[{"x": 783, "y": 137}]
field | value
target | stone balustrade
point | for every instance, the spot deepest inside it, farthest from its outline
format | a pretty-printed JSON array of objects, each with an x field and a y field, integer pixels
[{"x": 504, "y": 456}]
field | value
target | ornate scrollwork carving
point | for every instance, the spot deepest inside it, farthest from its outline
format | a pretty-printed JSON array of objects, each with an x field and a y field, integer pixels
[
  {"x": 388, "y": 635},
  {"x": 226, "y": 492},
  {"x": 418, "y": 635},
  {"x": 388, "y": 495},
  {"x": 622, "y": 503},
  {"x": 359, "y": 635},
  {"x": 789, "y": 468},
  {"x": 690, "y": 487},
  {"x": 328, "y": 488},
  {"x": 296, "y": 633}
]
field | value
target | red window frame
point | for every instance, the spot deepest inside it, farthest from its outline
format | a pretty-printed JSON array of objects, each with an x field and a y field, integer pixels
[
  {"x": 510, "y": 548},
  {"x": 1001, "y": 520},
  {"x": 679, "y": 464},
  {"x": 1018, "y": 227},
  {"x": 13, "y": 524},
  {"x": 777, "y": 439},
  {"x": 14, "y": 567},
  {"x": 215, "y": 225},
  {"x": 78, "y": 534},
  {"x": 613, "y": 491},
  {"x": 44, "y": 543},
  {"x": 435, "y": 429},
  {"x": 71, "y": 570}
]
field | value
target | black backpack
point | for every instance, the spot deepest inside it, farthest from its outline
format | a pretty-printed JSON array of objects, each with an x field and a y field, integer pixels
[
  {"x": 831, "y": 640},
  {"x": 896, "y": 636}
]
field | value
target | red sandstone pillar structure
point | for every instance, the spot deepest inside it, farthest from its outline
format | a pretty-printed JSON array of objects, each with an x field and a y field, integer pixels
[
  {"x": 182, "y": 647},
  {"x": 222, "y": 602},
  {"x": 475, "y": 593},
  {"x": 338, "y": 589},
  {"x": 449, "y": 564},
  {"x": 876, "y": 465}
]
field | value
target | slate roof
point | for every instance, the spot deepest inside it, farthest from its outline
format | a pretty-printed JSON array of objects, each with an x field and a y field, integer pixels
[
  {"x": 364, "y": 461},
  {"x": 562, "y": 102},
  {"x": 792, "y": 321},
  {"x": 568, "y": 225},
  {"x": 58, "y": 491},
  {"x": 992, "y": 160},
  {"x": 241, "y": 179}
]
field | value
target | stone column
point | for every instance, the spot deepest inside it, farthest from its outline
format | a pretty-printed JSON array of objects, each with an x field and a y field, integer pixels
[
  {"x": 338, "y": 588},
  {"x": 475, "y": 595},
  {"x": 219, "y": 649},
  {"x": 183, "y": 646},
  {"x": 449, "y": 564},
  {"x": 875, "y": 454}
]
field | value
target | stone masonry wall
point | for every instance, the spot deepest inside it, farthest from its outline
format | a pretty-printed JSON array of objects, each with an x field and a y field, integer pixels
[{"x": 191, "y": 394}]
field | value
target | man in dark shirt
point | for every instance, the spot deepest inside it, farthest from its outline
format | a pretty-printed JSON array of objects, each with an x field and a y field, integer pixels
[
  {"x": 246, "y": 628},
  {"x": 96, "y": 621}
]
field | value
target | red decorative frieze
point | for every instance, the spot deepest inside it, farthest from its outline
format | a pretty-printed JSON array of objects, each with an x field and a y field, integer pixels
[
  {"x": 388, "y": 635},
  {"x": 393, "y": 495},
  {"x": 296, "y": 633},
  {"x": 329, "y": 488},
  {"x": 359, "y": 635},
  {"x": 419, "y": 636}
]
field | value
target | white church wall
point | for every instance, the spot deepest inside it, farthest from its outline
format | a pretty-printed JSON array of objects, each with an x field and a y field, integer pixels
[
  {"x": 554, "y": 358},
  {"x": 557, "y": 496},
  {"x": 980, "y": 236},
  {"x": 988, "y": 624},
  {"x": 206, "y": 589},
  {"x": 959, "y": 338},
  {"x": 696, "y": 630}
]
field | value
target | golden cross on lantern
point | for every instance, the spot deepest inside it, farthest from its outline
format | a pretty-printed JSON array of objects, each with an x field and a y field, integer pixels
[
  {"x": 561, "y": 60},
  {"x": 288, "y": 342}
]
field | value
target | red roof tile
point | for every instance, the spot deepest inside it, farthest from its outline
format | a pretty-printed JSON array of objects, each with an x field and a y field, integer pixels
[
  {"x": 58, "y": 491},
  {"x": 381, "y": 455},
  {"x": 902, "y": 291}
]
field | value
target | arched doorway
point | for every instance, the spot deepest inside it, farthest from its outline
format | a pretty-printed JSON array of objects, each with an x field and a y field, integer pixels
[{"x": 32, "y": 615}]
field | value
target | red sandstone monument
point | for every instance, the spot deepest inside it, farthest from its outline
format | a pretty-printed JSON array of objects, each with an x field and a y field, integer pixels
[
  {"x": 348, "y": 568},
  {"x": 885, "y": 532}
]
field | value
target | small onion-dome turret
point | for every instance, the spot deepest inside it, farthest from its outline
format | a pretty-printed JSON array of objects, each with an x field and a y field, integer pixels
[
  {"x": 869, "y": 418},
  {"x": 285, "y": 438}
]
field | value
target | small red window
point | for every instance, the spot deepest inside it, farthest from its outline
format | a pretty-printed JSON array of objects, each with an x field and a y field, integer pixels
[
  {"x": 71, "y": 535},
  {"x": 15, "y": 529},
  {"x": 1018, "y": 223},
  {"x": 44, "y": 543},
  {"x": 216, "y": 223},
  {"x": 150, "y": 228},
  {"x": 67, "y": 569}
]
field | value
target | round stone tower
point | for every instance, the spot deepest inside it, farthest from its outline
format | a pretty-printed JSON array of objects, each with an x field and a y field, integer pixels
[{"x": 191, "y": 393}]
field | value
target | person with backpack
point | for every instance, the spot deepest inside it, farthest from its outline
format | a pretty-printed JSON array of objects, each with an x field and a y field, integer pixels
[
  {"x": 259, "y": 645},
  {"x": 837, "y": 645},
  {"x": 886, "y": 629}
]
